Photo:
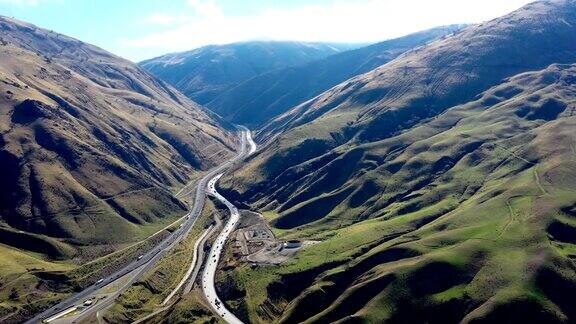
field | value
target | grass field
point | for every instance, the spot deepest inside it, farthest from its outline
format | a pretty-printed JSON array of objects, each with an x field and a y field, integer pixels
[
  {"x": 18, "y": 281},
  {"x": 147, "y": 294}
]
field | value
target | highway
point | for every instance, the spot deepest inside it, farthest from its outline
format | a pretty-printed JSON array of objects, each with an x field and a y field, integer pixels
[
  {"x": 216, "y": 251},
  {"x": 201, "y": 255},
  {"x": 138, "y": 267}
]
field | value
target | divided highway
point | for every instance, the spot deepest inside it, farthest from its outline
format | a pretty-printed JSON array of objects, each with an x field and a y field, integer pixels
[{"x": 148, "y": 260}]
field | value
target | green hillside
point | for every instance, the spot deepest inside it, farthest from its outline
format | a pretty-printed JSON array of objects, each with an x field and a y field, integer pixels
[
  {"x": 469, "y": 214},
  {"x": 439, "y": 186}
]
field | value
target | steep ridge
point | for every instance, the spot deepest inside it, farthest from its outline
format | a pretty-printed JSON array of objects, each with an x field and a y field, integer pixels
[
  {"x": 480, "y": 187},
  {"x": 204, "y": 73},
  {"x": 264, "y": 97},
  {"x": 468, "y": 215},
  {"x": 439, "y": 186},
  {"x": 91, "y": 146},
  {"x": 414, "y": 87},
  {"x": 423, "y": 82}
]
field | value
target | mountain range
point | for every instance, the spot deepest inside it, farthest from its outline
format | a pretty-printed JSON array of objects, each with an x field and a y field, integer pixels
[
  {"x": 92, "y": 146},
  {"x": 268, "y": 93},
  {"x": 430, "y": 178},
  {"x": 202, "y": 74},
  {"x": 264, "y": 97}
]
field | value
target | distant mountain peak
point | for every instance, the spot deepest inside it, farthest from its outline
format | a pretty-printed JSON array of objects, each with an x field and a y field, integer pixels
[{"x": 205, "y": 72}]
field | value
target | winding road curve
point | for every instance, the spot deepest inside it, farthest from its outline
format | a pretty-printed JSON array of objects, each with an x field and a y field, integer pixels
[
  {"x": 138, "y": 267},
  {"x": 218, "y": 245}
]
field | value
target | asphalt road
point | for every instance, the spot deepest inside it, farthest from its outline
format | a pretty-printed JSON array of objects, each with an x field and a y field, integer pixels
[
  {"x": 149, "y": 259},
  {"x": 201, "y": 255},
  {"x": 214, "y": 256},
  {"x": 218, "y": 245}
]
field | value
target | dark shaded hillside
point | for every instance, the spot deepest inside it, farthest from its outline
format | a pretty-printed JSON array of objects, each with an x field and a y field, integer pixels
[
  {"x": 264, "y": 97},
  {"x": 426, "y": 81},
  {"x": 439, "y": 186},
  {"x": 204, "y": 73},
  {"x": 91, "y": 146}
]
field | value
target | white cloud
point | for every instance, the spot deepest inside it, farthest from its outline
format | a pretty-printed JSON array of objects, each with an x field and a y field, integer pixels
[
  {"x": 206, "y": 8},
  {"x": 165, "y": 19},
  {"x": 340, "y": 21}
]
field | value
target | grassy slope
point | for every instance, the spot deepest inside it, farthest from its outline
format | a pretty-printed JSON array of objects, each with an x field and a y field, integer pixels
[
  {"x": 41, "y": 283},
  {"x": 92, "y": 149},
  {"x": 421, "y": 215},
  {"x": 482, "y": 223},
  {"x": 91, "y": 145},
  {"x": 18, "y": 271},
  {"x": 427, "y": 80}
]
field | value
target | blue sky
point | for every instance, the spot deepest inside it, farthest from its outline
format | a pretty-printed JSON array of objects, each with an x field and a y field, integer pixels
[{"x": 140, "y": 29}]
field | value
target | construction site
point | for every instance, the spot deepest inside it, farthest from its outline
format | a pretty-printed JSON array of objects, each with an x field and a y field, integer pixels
[{"x": 255, "y": 243}]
